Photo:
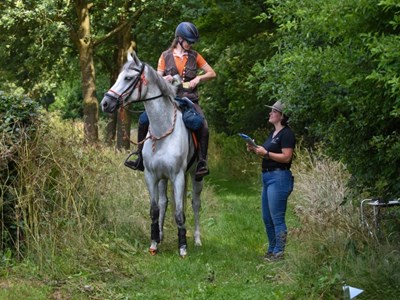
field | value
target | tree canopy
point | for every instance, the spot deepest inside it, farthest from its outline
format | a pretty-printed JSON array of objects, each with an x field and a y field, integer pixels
[{"x": 335, "y": 63}]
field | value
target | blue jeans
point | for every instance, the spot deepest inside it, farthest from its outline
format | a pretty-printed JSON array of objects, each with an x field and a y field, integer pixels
[{"x": 277, "y": 186}]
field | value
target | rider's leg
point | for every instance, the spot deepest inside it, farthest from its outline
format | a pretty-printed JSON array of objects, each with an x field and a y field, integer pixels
[
  {"x": 203, "y": 136},
  {"x": 202, "y": 169},
  {"x": 137, "y": 164}
]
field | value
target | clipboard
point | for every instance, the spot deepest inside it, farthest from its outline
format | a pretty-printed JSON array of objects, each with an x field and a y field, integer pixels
[{"x": 248, "y": 139}]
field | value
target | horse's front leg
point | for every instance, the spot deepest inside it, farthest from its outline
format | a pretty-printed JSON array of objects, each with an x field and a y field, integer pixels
[
  {"x": 179, "y": 188},
  {"x": 196, "y": 205},
  {"x": 154, "y": 214},
  {"x": 163, "y": 204}
]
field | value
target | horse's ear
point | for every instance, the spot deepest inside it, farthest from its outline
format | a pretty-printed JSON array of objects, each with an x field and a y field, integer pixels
[
  {"x": 136, "y": 59},
  {"x": 132, "y": 57},
  {"x": 129, "y": 56}
]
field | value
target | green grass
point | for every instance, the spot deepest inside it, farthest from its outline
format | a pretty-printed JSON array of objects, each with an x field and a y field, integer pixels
[
  {"x": 227, "y": 266},
  {"x": 87, "y": 225}
]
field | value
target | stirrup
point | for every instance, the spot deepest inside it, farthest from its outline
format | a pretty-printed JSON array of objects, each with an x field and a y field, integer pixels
[
  {"x": 201, "y": 170},
  {"x": 135, "y": 164}
]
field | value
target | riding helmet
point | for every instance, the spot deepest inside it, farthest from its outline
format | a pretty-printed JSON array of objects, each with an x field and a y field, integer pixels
[{"x": 187, "y": 31}]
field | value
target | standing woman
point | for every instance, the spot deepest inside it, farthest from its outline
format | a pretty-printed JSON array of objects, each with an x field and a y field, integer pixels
[{"x": 277, "y": 179}]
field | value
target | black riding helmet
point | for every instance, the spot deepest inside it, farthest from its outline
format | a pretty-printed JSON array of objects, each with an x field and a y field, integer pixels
[{"x": 187, "y": 31}]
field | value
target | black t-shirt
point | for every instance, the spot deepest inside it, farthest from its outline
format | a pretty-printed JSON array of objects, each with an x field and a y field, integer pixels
[{"x": 283, "y": 139}]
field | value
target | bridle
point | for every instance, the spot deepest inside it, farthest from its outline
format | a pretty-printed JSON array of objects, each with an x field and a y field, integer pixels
[{"x": 138, "y": 82}]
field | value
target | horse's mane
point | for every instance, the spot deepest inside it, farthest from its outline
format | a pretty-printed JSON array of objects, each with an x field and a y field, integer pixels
[{"x": 167, "y": 89}]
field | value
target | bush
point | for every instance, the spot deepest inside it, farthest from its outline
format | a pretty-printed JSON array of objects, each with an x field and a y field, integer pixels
[
  {"x": 20, "y": 119},
  {"x": 229, "y": 157},
  {"x": 335, "y": 247}
]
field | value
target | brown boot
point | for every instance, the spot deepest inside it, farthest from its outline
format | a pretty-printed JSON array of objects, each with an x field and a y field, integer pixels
[{"x": 202, "y": 170}]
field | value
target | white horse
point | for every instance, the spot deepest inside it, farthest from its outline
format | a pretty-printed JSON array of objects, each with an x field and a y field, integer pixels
[{"x": 168, "y": 150}]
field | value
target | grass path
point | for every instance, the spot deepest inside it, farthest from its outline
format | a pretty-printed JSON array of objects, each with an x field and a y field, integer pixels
[{"x": 227, "y": 266}]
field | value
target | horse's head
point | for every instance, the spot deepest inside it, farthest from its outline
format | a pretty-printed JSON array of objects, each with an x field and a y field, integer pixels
[{"x": 128, "y": 86}]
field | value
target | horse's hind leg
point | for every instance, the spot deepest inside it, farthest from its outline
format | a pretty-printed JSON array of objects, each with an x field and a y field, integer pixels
[
  {"x": 179, "y": 188},
  {"x": 196, "y": 205}
]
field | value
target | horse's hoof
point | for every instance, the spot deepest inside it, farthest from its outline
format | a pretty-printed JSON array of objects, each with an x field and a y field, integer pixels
[
  {"x": 182, "y": 251},
  {"x": 153, "y": 248},
  {"x": 197, "y": 242}
]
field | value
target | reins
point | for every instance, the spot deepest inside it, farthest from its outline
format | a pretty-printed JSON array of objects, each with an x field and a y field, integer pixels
[
  {"x": 167, "y": 133},
  {"x": 151, "y": 136}
]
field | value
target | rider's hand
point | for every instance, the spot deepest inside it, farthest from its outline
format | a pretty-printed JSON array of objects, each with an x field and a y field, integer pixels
[
  {"x": 194, "y": 82},
  {"x": 168, "y": 78}
]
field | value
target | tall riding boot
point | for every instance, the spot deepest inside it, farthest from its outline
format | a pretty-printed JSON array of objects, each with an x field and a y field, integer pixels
[
  {"x": 138, "y": 163},
  {"x": 202, "y": 169}
]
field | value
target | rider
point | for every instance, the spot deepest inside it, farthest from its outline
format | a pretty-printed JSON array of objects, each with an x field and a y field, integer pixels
[{"x": 181, "y": 59}]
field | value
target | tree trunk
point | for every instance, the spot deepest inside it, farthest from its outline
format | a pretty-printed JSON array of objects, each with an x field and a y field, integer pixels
[
  {"x": 118, "y": 127},
  {"x": 85, "y": 45}
]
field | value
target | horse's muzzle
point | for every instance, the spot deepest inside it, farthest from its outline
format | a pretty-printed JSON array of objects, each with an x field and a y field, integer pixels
[{"x": 109, "y": 103}]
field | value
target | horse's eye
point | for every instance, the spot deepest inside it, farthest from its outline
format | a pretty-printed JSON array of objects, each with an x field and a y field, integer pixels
[{"x": 128, "y": 78}]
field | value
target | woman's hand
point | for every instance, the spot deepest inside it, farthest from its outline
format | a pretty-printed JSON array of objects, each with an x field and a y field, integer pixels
[
  {"x": 260, "y": 150},
  {"x": 250, "y": 148},
  {"x": 194, "y": 82},
  {"x": 168, "y": 78}
]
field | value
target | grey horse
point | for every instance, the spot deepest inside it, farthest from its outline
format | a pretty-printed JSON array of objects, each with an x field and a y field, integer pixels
[{"x": 168, "y": 149}]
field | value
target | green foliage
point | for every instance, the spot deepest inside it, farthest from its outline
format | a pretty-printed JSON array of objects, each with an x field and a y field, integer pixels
[
  {"x": 33, "y": 51},
  {"x": 337, "y": 65},
  {"x": 235, "y": 42},
  {"x": 17, "y": 112},
  {"x": 54, "y": 195},
  {"x": 19, "y": 115},
  {"x": 230, "y": 159},
  {"x": 69, "y": 101},
  {"x": 235, "y": 108}
]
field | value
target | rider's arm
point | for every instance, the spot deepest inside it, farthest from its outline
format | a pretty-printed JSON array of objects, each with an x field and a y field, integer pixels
[{"x": 208, "y": 74}]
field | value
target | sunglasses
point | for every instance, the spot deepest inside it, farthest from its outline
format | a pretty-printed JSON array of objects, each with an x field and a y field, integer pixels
[{"x": 189, "y": 42}]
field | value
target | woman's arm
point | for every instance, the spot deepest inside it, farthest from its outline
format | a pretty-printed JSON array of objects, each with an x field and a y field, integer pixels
[
  {"x": 208, "y": 74},
  {"x": 284, "y": 157}
]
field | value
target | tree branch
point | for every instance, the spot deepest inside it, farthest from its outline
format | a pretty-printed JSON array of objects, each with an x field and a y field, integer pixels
[{"x": 130, "y": 21}]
